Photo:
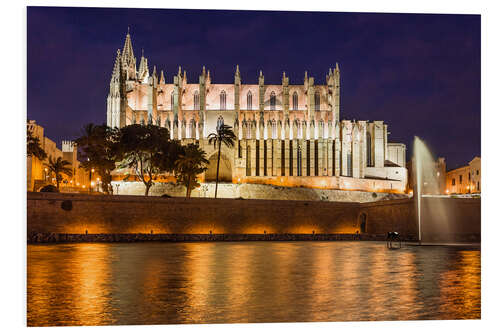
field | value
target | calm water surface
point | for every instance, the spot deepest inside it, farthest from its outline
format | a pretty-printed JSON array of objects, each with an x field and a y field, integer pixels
[{"x": 160, "y": 283}]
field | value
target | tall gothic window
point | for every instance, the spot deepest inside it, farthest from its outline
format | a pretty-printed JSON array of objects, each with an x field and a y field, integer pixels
[
  {"x": 274, "y": 129},
  {"x": 299, "y": 161},
  {"x": 349, "y": 165},
  {"x": 272, "y": 101},
  {"x": 249, "y": 100},
  {"x": 223, "y": 100},
  {"x": 299, "y": 130},
  {"x": 220, "y": 122},
  {"x": 368, "y": 149},
  {"x": 295, "y": 101},
  {"x": 196, "y": 99},
  {"x": 316, "y": 101},
  {"x": 172, "y": 100}
]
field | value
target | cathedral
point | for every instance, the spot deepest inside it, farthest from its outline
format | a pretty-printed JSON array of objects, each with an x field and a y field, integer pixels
[{"x": 287, "y": 135}]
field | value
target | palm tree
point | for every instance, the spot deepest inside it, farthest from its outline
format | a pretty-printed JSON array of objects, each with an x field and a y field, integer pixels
[
  {"x": 224, "y": 134},
  {"x": 58, "y": 167},
  {"x": 34, "y": 148},
  {"x": 190, "y": 164}
]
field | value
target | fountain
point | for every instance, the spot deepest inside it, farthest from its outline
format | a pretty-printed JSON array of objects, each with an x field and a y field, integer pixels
[{"x": 429, "y": 202}]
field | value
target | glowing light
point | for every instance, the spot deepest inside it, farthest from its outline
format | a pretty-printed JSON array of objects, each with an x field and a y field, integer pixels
[
  {"x": 83, "y": 186},
  {"x": 92, "y": 184},
  {"x": 46, "y": 169},
  {"x": 92, "y": 169},
  {"x": 77, "y": 184},
  {"x": 447, "y": 191},
  {"x": 438, "y": 174}
]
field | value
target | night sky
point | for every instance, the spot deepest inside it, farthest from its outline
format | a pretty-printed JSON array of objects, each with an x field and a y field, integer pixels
[{"x": 419, "y": 73}]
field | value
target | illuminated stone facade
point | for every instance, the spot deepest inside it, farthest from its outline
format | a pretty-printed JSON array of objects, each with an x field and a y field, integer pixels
[
  {"x": 466, "y": 179},
  {"x": 287, "y": 134}
]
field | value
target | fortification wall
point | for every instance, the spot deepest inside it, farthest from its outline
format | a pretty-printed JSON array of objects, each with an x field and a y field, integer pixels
[{"x": 79, "y": 213}]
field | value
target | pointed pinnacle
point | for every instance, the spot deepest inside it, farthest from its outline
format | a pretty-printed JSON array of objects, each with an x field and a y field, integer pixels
[
  {"x": 337, "y": 65},
  {"x": 284, "y": 75},
  {"x": 179, "y": 73},
  {"x": 203, "y": 71},
  {"x": 237, "y": 68},
  {"x": 260, "y": 73}
]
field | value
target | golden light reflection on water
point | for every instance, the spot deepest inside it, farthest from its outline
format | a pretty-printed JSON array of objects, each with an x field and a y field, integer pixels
[{"x": 159, "y": 283}]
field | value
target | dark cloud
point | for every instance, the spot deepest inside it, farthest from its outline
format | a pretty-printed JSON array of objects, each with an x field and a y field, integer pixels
[{"x": 419, "y": 73}]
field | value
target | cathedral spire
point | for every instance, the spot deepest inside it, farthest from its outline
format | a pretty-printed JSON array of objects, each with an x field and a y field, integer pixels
[
  {"x": 143, "y": 68},
  {"x": 128, "y": 51},
  {"x": 116, "y": 66},
  {"x": 162, "y": 78}
]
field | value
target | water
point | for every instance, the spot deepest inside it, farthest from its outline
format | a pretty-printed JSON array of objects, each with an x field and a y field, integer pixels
[
  {"x": 427, "y": 182},
  {"x": 249, "y": 282}
]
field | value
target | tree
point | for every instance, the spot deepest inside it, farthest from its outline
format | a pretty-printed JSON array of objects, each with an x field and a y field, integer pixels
[
  {"x": 147, "y": 150},
  {"x": 58, "y": 167},
  {"x": 224, "y": 134},
  {"x": 97, "y": 144},
  {"x": 190, "y": 164},
  {"x": 34, "y": 148}
]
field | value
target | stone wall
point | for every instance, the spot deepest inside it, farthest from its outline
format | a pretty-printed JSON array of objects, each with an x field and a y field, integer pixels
[
  {"x": 257, "y": 191},
  {"x": 58, "y": 213}
]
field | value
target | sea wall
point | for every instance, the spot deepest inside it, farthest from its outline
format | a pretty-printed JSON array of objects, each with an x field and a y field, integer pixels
[{"x": 63, "y": 214}]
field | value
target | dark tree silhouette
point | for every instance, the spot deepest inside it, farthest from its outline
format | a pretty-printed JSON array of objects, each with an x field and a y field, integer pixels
[
  {"x": 34, "y": 148},
  {"x": 224, "y": 134},
  {"x": 190, "y": 164},
  {"x": 58, "y": 167}
]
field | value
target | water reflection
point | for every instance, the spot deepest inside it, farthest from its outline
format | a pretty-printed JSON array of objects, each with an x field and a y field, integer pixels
[{"x": 159, "y": 283}]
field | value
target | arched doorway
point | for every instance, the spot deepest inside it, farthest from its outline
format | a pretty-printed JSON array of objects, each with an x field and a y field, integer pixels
[
  {"x": 225, "y": 171},
  {"x": 362, "y": 222}
]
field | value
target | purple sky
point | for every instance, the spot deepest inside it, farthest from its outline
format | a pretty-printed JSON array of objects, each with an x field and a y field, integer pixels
[{"x": 419, "y": 73}]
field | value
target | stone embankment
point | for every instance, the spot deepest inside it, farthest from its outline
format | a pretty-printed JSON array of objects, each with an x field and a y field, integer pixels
[{"x": 61, "y": 217}]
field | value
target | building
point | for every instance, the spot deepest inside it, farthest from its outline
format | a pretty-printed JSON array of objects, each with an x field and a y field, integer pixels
[
  {"x": 466, "y": 179},
  {"x": 37, "y": 173},
  {"x": 288, "y": 134}
]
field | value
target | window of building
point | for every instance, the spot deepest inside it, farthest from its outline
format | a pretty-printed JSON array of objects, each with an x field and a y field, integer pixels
[
  {"x": 299, "y": 161},
  {"x": 316, "y": 101},
  {"x": 172, "y": 100},
  {"x": 223, "y": 100},
  {"x": 196, "y": 99},
  {"x": 249, "y": 100},
  {"x": 477, "y": 172},
  {"x": 368, "y": 149},
  {"x": 478, "y": 188},
  {"x": 453, "y": 182},
  {"x": 249, "y": 158},
  {"x": 295, "y": 101},
  {"x": 349, "y": 165},
  {"x": 460, "y": 179},
  {"x": 299, "y": 130},
  {"x": 220, "y": 122},
  {"x": 274, "y": 129},
  {"x": 249, "y": 131},
  {"x": 272, "y": 101},
  {"x": 469, "y": 176}
]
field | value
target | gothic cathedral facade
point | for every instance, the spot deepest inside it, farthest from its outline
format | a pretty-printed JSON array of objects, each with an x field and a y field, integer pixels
[{"x": 287, "y": 135}]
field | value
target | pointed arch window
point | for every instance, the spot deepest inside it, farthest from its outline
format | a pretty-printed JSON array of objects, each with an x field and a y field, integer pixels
[
  {"x": 249, "y": 100},
  {"x": 295, "y": 101},
  {"x": 220, "y": 122},
  {"x": 368, "y": 149},
  {"x": 274, "y": 129},
  {"x": 223, "y": 100},
  {"x": 316, "y": 101},
  {"x": 299, "y": 161},
  {"x": 272, "y": 101},
  {"x": 196, "y": 99},
  {"x": 172, "y": 101}
]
